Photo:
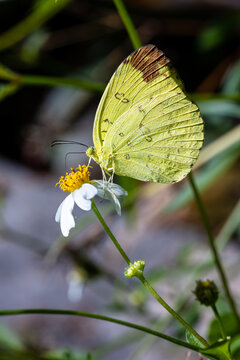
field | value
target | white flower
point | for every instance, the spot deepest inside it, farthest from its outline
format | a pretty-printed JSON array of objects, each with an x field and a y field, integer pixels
[
  {"x": 82, "y": 190},
  {"x": 82, "y": 197}
]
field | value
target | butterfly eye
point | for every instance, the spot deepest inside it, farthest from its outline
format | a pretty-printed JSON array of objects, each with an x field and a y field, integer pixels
[{"x": 90, "y": 151}]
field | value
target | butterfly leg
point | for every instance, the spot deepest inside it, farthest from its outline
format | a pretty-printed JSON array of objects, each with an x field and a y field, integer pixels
[
  {"x": 89, "y": 161},
  {"x": 104, "y": 176},
  {"x": 110, "y": 180}
]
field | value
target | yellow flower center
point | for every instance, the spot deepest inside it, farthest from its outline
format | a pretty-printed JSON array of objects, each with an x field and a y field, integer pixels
[{"x": 75, "y": 179}]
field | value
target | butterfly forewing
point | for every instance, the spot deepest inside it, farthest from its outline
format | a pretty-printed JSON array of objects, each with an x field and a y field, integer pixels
[
  {"x": 146, "y": 123},
  {"x": 127, "y": 87}
]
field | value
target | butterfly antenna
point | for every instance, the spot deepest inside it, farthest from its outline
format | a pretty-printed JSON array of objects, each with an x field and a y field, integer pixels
[{"x": 65, "y": 142}]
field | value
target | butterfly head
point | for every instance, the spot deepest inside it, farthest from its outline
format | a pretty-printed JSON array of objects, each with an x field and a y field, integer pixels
[{"x": 91, "y": 152}]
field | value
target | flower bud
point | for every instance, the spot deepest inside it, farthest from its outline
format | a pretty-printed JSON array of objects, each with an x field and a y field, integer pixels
[
  {"x": 135, "y": 269},
  {"x": 206, "y": 292}
]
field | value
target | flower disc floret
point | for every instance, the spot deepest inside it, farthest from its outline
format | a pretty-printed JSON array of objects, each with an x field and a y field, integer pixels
[{"x": 75, "y": 179}]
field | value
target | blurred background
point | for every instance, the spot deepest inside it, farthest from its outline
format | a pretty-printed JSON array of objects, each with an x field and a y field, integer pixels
[{"x": 56, "y": 56}]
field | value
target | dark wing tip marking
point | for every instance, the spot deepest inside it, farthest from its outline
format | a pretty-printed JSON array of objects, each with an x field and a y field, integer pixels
[{"x": 148, "y": 59}]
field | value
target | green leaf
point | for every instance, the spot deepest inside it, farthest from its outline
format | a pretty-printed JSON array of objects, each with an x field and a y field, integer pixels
[
  {"x": 191, "y": 339},
  {"x": 235, "y": 347},
  {"x": 67, "y": 354},
  {"x": 7, "y": 89},
  {"x": 216, "y": 34},
  {"x": 219, "y": 107},
  {"x": 6, "y": 73},
  {"x": 218, "y": 351},
  {"x": 205, "y": 178},
  {"x": 89, "y": 357},
  {"x": 9, "y": 338},
  {"x": 232, "y": 82},
  {"x": 230, "y": 325}
]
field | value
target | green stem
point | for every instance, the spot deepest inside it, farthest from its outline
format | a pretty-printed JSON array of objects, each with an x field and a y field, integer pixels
[
  {"x": 144, "y": 281},
  {"x": 128, "y": 23},
  {"x": 218, "y": 317},
  {"x": 35, "y": 80},
  {"x": 171, "y": 311},
  {"x": 110, "y": 234},
  {"x": 213, "y": 247},
  {"x": 99, "y": 317}
]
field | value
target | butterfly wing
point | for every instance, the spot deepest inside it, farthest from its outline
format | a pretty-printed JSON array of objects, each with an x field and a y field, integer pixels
[
  {"x": 123, "y": 89},
  {"x": 145, "y": 123}
]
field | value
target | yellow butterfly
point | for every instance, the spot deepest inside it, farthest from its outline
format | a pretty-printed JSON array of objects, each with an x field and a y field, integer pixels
[{"x": 145, "y": 126}]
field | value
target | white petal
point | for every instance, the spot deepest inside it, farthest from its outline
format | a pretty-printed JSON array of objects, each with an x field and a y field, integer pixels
[
  {"x": 118, "y": 190},
  {"x": 116, "y": 204},
  {"x": 103, "y": 185},
  {"x": 80, "y": 201},
  {"x": 89, "y": 191},
  {"x": 58, "y": 213},
  {"x": 83, "y": 195},
  {"x": 111, "y": 192},
  {"x": 100, "y": 186},
  {"x": 67, "y": 221}
]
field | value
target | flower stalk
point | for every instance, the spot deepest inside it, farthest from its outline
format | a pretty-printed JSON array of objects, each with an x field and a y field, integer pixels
[
  {"x": 218, "y": 317},
  {"x": 171, "y": 311},
  {"x": 126, "y": 19},
  {"x": 110, "y": 234},
  {"x": 215, "y": 254},
  {"x": 144, "y": 281},
  {"x": 99, "y": 317}
]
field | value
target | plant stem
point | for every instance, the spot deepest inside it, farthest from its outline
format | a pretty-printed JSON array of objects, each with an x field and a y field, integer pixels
[
  {"x": 110, "y": 234},
  {"x": 213, "y": 247},
  {"x": 128, "y": 23},
  {"x": 218, "y": 317},
  {"x": 35, "y": 80},
  {"x": 144, "y": 281},
  {"x": 171, "y": 311},
  {"x": 99, "y": 317}
]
